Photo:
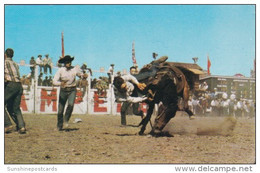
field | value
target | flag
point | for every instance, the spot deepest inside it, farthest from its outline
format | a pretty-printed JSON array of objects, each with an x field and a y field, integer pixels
[
  {"x": 133, "y": 54},
  {"x": 62, "y": 45},
  {"x": 209, "y": 64}
]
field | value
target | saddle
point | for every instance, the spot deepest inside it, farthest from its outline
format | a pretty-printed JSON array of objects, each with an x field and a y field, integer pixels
[
  {"x": 152, "y": 73},
  {"x": 150, "y": 70}
]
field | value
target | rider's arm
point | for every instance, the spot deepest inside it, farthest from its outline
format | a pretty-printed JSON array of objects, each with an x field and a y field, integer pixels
[
  {"x": 136, "y": 99},
  {"x": 131, "y": 99},
  {"x": 125, "y": 97},
  {"x": 130, "y": 78}
]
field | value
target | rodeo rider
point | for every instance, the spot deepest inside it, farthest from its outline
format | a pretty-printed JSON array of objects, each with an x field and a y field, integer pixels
[{"x": 124, "y": 90}]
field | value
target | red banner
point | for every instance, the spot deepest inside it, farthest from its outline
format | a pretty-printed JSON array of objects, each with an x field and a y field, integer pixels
[{"x": 209, "y": 64}]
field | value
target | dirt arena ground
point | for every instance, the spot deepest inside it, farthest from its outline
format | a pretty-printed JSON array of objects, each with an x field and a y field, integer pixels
[{"x": 101, "y": 139}]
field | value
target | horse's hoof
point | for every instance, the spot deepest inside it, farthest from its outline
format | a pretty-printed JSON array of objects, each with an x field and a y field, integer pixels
[
  {"x": 155, "y": 132},
  {"x": 140, "y": 133},
  {"x": 192, "y": 117}
]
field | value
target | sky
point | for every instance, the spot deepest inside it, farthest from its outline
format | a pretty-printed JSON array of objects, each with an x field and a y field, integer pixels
[{"x": 100, "y": 35}]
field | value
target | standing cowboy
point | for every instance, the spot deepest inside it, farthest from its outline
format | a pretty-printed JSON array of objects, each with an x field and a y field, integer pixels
[
  {"x": 13, "y": 94},
  {"x": 66, "y": 79}
]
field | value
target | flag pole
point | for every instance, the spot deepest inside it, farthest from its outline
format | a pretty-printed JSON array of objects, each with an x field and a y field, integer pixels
[
  {"x": 62, "y": 45},
  {"x": 133, "y": 55}
]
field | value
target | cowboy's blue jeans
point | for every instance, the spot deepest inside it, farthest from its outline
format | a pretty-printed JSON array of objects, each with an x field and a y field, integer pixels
[
  {"x": 66, "y": 94},
  {"x": 13, "y": 93}
]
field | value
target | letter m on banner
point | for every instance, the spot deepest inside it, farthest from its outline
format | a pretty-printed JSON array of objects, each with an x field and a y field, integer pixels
[{"x": 47, "y": 97}]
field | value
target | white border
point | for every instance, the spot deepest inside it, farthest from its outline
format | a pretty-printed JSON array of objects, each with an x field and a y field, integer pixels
[{"x": 117, "y": 168}]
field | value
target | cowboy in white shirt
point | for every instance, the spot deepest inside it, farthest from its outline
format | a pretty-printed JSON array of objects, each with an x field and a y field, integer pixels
[
  {"x": 66, "y": 79},
  {"x": 39, "y": 62},
  {"x": 47, "y": 62}
]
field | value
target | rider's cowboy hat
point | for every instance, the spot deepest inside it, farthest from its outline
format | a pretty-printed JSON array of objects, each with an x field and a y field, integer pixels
[{"x": 66, "y": 58}]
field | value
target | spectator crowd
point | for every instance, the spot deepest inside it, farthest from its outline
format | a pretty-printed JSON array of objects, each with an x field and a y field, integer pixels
[{"x": 217, "y": 103}]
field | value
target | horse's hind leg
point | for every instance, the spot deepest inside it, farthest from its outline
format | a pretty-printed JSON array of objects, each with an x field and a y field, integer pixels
[{"x": 164, "y": 117}]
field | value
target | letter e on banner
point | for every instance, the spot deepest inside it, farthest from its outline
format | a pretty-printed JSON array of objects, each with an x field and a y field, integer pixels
[{"x": 97, "y": 101}]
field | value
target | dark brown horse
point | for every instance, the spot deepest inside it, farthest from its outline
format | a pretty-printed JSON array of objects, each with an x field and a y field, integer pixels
[{"x": 165, "y": 84}]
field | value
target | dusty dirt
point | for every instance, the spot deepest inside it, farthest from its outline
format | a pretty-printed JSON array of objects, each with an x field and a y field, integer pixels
[{"x": 101, "y": 139}]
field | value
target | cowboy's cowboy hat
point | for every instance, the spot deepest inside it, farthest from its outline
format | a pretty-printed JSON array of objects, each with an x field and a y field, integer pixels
[{"x": 65, "y": 59}]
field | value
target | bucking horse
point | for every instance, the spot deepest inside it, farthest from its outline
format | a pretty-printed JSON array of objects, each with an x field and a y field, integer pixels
[{"x": 166, "y": 83}]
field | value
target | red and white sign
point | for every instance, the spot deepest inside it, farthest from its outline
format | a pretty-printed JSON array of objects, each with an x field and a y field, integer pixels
[{"x": 46, "y": 100}]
